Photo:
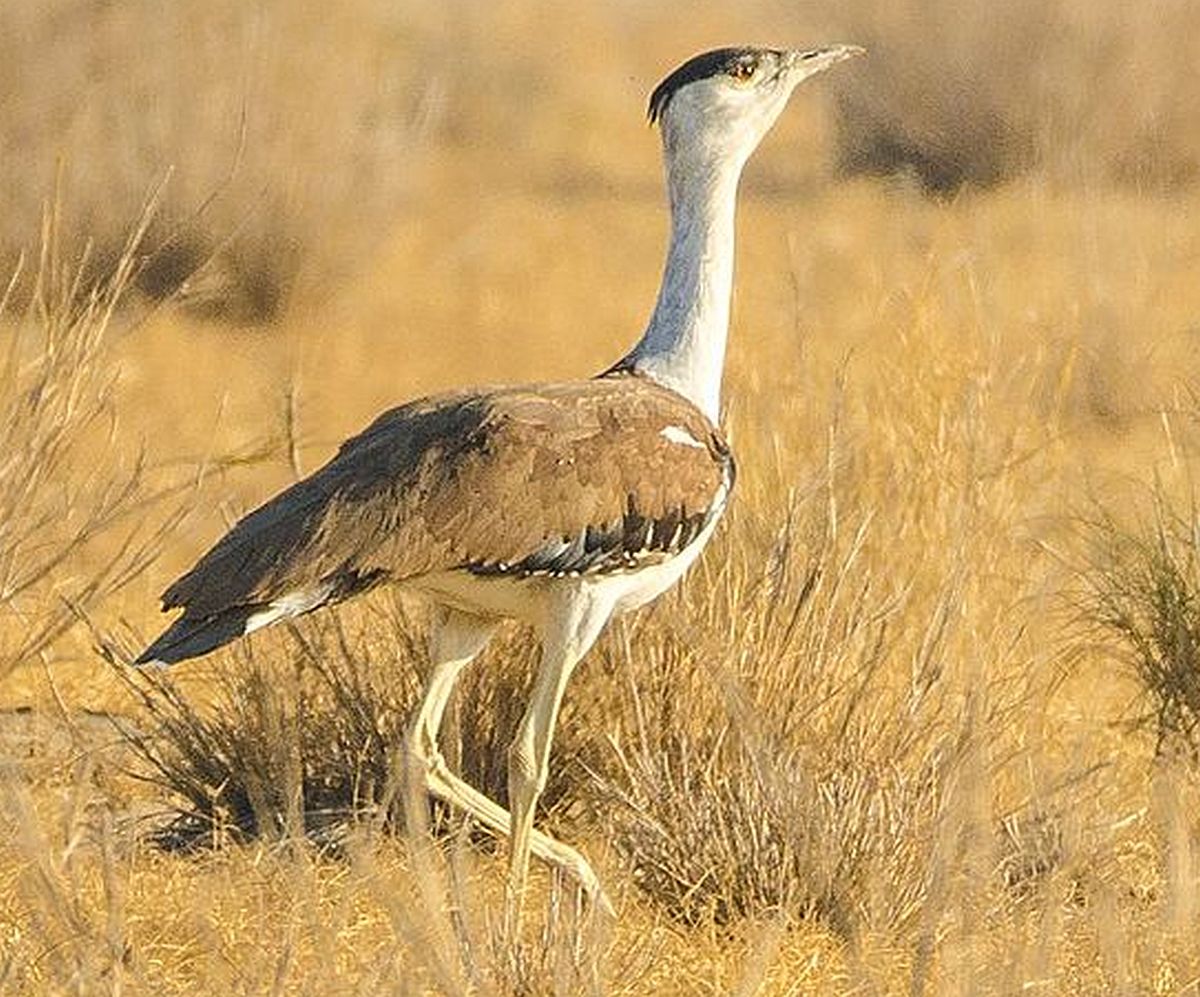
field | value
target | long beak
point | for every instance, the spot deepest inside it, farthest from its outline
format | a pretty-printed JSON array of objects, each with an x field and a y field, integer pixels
[{"x": 817, "y": 60}]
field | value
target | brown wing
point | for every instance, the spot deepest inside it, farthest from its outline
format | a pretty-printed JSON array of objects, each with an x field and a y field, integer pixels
[{"x": 584, "y": 476}]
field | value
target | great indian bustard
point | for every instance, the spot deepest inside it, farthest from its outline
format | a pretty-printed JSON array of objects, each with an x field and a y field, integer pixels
[{"x": 556, "y": 504}]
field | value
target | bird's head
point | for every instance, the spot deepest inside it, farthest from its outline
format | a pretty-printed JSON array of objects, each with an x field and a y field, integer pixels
[{"x": 722, "y": 103}]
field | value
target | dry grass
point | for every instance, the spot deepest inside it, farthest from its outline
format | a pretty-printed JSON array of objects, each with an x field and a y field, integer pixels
[
  {"x": 802, "y": 773},
  {"x": 867, "y": 747}
]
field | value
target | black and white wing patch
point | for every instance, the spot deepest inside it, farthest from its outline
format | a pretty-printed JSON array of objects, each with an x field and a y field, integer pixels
[{"x": 634, "y": 541}]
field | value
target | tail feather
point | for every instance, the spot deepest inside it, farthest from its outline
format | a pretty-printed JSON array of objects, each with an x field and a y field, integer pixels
[
  {"x": 193, "y": 635},
  {"x": 189, "y": 637}
]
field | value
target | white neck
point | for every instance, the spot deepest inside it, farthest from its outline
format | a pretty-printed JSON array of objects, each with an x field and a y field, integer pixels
[{"x": 684, "y": 345}]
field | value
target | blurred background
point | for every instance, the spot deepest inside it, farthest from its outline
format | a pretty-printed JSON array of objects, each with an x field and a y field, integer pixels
[{"x": 300, "y": 138}]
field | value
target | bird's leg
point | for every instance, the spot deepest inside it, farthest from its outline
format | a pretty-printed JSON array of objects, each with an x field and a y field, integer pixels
[
  {"x": 455, "y": 641},
  {"x": 569, "y": 631},
  {"x": 446, "y": 786},
  {"x": 454, "y": 644}
]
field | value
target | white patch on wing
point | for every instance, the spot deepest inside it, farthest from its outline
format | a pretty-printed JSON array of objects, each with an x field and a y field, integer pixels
[
  {"x": 292, "y": 604},
  {"x": 677, "y": 434}
]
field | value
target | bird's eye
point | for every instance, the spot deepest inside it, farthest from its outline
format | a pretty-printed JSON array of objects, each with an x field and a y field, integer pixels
[{"x": 743, "y": 72}]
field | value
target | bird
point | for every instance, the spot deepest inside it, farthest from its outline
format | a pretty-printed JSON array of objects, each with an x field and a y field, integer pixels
[{"x": 560, "y": 505}]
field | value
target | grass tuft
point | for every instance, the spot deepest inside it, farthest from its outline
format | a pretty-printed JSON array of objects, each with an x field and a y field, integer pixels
[{"x": 1144, "y": 597}]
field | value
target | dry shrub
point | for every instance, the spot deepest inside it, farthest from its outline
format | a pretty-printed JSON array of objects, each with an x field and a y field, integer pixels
[
  {"x": 305, "y": 745},
  {"x": 1143, "y": 596},
  {"x": 290, "y": 129},
  {"x": 59, "y": 492},
  {"x": 306, "y": 738},
  {"x": 933, "y": 99},
  {"x": 976, "y": 93}
]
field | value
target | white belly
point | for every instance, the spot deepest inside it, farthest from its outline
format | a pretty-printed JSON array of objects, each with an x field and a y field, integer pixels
[{"x": 637, "y": 588}]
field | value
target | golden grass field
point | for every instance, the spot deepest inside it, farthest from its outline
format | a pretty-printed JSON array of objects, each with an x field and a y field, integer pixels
[{"x": 877, "y": 743}]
